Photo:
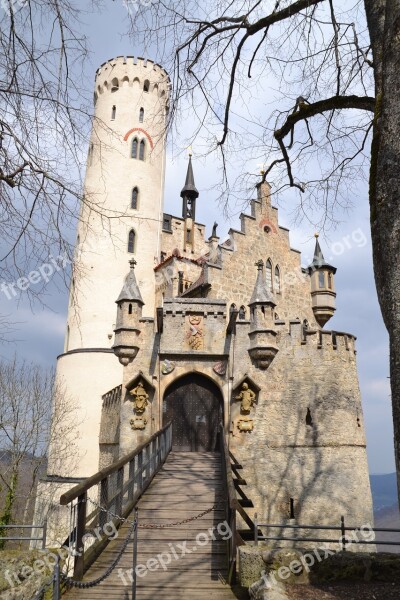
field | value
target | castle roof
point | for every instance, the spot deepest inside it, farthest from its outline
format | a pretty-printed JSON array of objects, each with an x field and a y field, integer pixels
[
  {"x": 319, "y": 261},
  {"x": 130, "y": 291},
  {"x": 261, "y": 294},
  {"x": 189, "y": 189}
]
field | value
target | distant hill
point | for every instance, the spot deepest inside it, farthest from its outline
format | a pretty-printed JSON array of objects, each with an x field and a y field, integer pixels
[{"x": 384, "y": 490}]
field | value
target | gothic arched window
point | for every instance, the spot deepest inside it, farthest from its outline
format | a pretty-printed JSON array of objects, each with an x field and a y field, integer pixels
[
  {"x": 277, "y": 280},
  {"x": 146, "y": 85},
  {"x": 135, "y": 198},
  {"x": 142, "y": 150},
  {"x": 131, "y": 241},
  {"x": 141, "y": 115},
  {"x": 268, "y": 274},
  {"x": 134, "y": 148},
  {"x": 242, "y": 313}
]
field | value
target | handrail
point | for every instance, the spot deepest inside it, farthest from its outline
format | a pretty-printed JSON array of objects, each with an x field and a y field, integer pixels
[
  {"x": 83, "y": 487},
  {"x": 113, "y": 492}
]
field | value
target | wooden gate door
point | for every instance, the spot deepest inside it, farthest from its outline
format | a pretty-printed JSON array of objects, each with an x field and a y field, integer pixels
[{"x": 194, "y": 405}]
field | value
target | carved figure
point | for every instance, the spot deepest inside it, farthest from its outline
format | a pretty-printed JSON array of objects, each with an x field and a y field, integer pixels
[
  {"x": 140, "y": 398},
  {"x": 247, "y": 398}
]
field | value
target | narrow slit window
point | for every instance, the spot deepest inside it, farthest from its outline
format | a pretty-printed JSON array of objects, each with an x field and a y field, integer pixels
[
  {"x": 309, "y": 420},
  {"x": 321, "y": 279},
  {"x": 135, "y": 198},
  {"x": 142, "y": 150},
  {"x": 113, "y": 113},
  {"x": 131, "y": 241},
  {"x": 134, "y": 148},
  {"x": 146, "y": 86},
  {"x": 141, "y": 115},
  {"x": 130, "y": 309},
  {"x": 268, "y": 274},
  {"x": 291, "y": 508},
  {"x": 330, "y": 281},
  {"x": 277, "y": 282}
]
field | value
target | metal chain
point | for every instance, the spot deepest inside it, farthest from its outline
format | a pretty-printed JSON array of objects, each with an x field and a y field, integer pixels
[
  {"x": 89, "y": 584},
  {"x": 161, "y": 526}
]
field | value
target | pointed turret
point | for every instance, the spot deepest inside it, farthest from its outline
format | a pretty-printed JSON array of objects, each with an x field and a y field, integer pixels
[
  {"x": 322, "y": 286},
  {"x": 262, "y": 334},
  {"x": 189, "y": 194},
  {"x": 127, "y": 330}
]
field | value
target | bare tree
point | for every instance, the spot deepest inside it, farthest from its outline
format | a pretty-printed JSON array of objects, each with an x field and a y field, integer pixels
[
  {"x": 35, "y": 413},
  {"x": 332, "y": 67},
  {"x": 45, "y": 120}
]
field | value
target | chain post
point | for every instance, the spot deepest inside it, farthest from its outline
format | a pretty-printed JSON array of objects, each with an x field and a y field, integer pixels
[
  {"x": 80, "y": 531},
  {"x": 343, "y": 529},
  {"x": 56, "y": 580},
  {"x": 103, "y": 500}
]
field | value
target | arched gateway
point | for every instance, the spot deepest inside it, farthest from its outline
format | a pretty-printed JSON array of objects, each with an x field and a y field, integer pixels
[{"x": 194, "y": 405}]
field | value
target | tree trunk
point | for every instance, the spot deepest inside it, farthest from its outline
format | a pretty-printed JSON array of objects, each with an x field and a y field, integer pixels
[{"x": 385, "y": 199}]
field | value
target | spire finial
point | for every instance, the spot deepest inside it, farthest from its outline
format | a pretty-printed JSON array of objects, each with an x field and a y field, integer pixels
[
  {"x": 262, "y": 168},
  {"x": 190, "y": 151},
  {"x": 259, "y": 264},
  {"x": 316, "y": 235},
  {"x": 133, "y": 263}
]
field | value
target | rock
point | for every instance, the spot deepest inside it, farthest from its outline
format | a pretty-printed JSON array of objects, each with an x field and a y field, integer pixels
[{"x": 262, "y": 591}]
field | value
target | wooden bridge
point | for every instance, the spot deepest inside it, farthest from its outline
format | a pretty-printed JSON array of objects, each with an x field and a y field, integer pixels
[{"x": 186, "y": 537}]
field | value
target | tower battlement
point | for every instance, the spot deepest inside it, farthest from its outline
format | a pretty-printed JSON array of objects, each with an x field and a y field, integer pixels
[{"x": 130, "y": 70}]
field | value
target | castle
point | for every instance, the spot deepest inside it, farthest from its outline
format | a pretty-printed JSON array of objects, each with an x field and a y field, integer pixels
[{"x": 166, "y": 323}]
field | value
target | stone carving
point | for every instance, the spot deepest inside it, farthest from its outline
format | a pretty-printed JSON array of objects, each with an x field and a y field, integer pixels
[
  {"x": 247, "y": 397},
  {"x": 138, "y": 423},
  {"x": 167, "y": 367},
  {"x": 140, "y": 398},
  {"x": 245, "y": 424},
  {"x": 195, "y": 334},
  {"x": 220, "y": 368}
]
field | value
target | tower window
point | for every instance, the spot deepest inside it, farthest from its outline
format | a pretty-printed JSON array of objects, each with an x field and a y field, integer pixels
[
  {"x": 146, "y": 85},
  {"x": 330, "y": 281},
  {"x": 321, "y": 279},
  {"x": 114, "y": 85},
  {"x": 131, "y": 241},
  {"x": 130, "y": 309},
  {"x": 141, "y": 115},
  {"x": 113, "y": 113},
  {"x": 268, "y": 274},
  {"x": 242, "y": 313},
  {"x": 142, "y": 150},
  {"x": 135, "y": 198},
  {"x": 134, "y": 148},
  {"x": 277, "y": 280},
  {"x": 188, "y": 235},
  {"x": 309, "y": 420},
  {"x": 232, "y": 308}
]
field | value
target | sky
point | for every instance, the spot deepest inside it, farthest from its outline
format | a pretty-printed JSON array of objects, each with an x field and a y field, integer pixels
[{"x": 39, "y": 331}]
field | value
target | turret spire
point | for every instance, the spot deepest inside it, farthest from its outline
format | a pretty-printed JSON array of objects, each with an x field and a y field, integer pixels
[
  {"x": 260, "y": 294},
  {"x": 189, "y": 193},
  {"x": 319, "y": 260}
]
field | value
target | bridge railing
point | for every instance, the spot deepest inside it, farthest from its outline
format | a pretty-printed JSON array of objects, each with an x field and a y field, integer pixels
[
  {"x": 103, "y": 501},
  {"x": 233, "y": 507}
]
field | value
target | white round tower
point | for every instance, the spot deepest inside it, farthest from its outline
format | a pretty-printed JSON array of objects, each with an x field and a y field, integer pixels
[{"x": 121, "y": 219}]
